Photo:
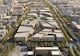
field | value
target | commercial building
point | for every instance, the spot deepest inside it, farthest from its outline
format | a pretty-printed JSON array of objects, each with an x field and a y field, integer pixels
[
  {"x": 26, "y": 29},
  {"x": 51, "y": 51},
  {"x": 22, "y": 36}
]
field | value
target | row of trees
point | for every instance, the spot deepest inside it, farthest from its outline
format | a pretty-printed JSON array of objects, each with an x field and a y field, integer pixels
[
  {"x": 74, "y": 50},
  {"x": 32, "y": 45}
]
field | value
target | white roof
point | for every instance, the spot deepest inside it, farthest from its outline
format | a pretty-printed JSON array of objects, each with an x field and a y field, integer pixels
[
  {"x": 43, "y": 32},
  {"x": 33, "y": 23},
  {"x": 41, "y": 15},
  {"x": 47, "y": 8},
  {"x": 46, "y": 13},
  {"x": 50, "y": 18},
  {"x": 34, "y": 14},
  {"x": 24, "y": 22},
  {"x": 57, "y": 30},
  {"x": 18, "y": 5},
  {"x": 21, "y": 0},
  {"x": 78, "y": 26},
  {"x": 33, "y": 10},
  {"x": 44, "y": 10},
  {"x": 56, "y": 53},
  {"x": 21, "y": 34},
  {"x": 73, "y": 22},
  {"x": 47, "y": 29},
  {"x": 7, "y": 17},
  {"x": 30, "y": 53},
  {"x": 47, "y": 48},
  {"x": 53, "y": 23},
  {"x": 3, "y": 30},
  {"x": 46, "y": 24},
  {"x": 59, "y": 34},
  {"x": 38, "y": 35},
  {"x": 48, "y": 36},
  {"x": 24, "y": 29}
]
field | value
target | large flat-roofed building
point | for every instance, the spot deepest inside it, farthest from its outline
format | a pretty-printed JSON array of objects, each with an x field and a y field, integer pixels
[
  {"x": 76, "y": 26},
  {"x": 57, "y": 30},
  {"x": 6, "y": 17},
  {"x": 34, "y": 23},
  {"x": 26, "y": 29},
  {"x": 22, "y": 36},
  {"x": 54, "y": 23},
  {"x": 46, "y": 51},
  {"x": 48, "y": 38},
  {"x": 46, "y": 14},
  {"x": 36, "y": 37},
  {"x": 47, "y": 30},
  {"x": 59, "y": 36},
  {"x": 45, "y": 10},
  {"x": 46, "y": 25},
  {"x": 22, "y": 1},
  {"x": 56, "y": 53},
  {"x": 33, "y": 14},
  {"x": 49, "y": 18}
]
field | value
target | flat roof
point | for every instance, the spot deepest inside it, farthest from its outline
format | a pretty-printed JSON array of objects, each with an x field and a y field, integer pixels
[
  {"x": 7, "y": 17},
  {"x": 30, "y": 53},
  {"x": 73, "y": 22},
  {"x": 53, "y": 23},
  {"x": 38, "y": 35},
  {"x": 44, "y": 10},
  {"x": 33, "y": 10},
  {"x": 50, "y": 18},
  {"x": 45, "y": 30},
  {"x": 57, "y": 30},
  {"x": 24, "y": 29},
  {"x": 21, "y": 34},
  {"x": 46, "y": 24},
  {"x": 78, "y": 26},
  {"x": 24, "y": 22},
  {"x": 47, "y": 48},
  {"x": 3, "y": 30},
  {"x": 34, "y": 14},
  {"x": 34, "y": 22},
  {"x": 48, "y": 36},
  {"x": 56, "y": 53},
  {"x": 47, "y": 13},
  {"x": 58, "y": 34}
]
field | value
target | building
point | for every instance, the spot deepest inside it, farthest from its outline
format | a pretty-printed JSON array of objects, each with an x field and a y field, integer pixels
[
  {"x": 30, "y": 53},
  {"x": 76, "y": 26},
  {"x": 37, "y": 37},
  {"x": 46, "y": 25},
  {"x": 48, "y": 51},
  {"x": 26, "y": 29},
  {"x": 22, "y": 36}
]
